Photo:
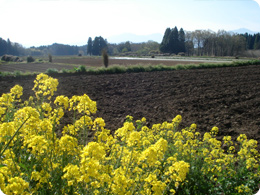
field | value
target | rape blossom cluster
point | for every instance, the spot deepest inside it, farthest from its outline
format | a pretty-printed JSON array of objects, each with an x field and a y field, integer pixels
[{"x": 40, "y": 154}]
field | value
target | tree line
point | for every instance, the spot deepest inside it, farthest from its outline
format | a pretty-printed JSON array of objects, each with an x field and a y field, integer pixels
[
  {"x": 134, "y": 49},
  {"x": 252, "y": 41},
  {"x": 57, "y": 49},
  {"x": 7, "y": 47},
  {"x": 99, "y": 44},
  {"x": 189, "y": 43},
  {"x": 207, "y": 42}
]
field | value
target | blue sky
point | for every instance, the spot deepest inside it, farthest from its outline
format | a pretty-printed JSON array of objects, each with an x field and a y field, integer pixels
[{"x": 43, "y": 22}]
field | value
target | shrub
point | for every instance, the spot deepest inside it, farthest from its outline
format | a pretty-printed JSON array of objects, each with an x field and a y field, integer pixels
[
  {"x": 137, "y": 68},
  {"x": 50, "y": 58},
  {"x": 116, "y": 70},
  {"x": 162, "y": 159},
  {"x": 81, "y": 68},
  {"x": 17, "y": 73},
  {"x": 51, "y": 70},
  {"x": 105, "y": 58},
  {"x": 65, "y": 71},
  {"x": 181, "y": 54},
  {"x": 30, "y": 59}
]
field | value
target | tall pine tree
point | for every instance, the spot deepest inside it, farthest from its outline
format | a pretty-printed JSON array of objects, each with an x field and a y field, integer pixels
[
  {"x": 257, "y": 41},
  {"x": 164, "y": 47},
  {"x": 95, "y": 48},
  {"x": 89, "y": 47},
  {"x": 173, "y": 41},
  {"x": 3, "y": 47},
  {"x": 9, "y": 47},
  {"x": 182, "y": 41}
]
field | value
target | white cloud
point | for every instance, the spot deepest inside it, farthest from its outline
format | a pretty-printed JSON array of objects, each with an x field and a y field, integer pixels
[{"x": 257, "y": 1}]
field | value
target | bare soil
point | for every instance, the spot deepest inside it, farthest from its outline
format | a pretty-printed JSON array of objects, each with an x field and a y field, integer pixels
[
  {"x": 228, "y": 98},
  {"x": 97, "y": 61},
  {"x": 33, "y": 67}
]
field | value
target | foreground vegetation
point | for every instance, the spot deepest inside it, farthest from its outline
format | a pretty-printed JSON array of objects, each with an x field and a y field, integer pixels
[
  {"x": 41, "y": 154},
  {"x": 135, "y": 68}
]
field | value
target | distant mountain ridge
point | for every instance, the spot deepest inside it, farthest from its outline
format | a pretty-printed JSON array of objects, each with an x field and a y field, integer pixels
[
  {"x": 157, "y": 37},
  {"x": 243, "y": 31}
]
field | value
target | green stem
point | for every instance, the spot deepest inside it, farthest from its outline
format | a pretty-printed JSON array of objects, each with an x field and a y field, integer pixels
[
  {"x": 130, "y": 161},
  {"x": 119, "y": 159},
  {"x": 85, "y": 129},
  {"x": 6, "y": 146},
  {"x": 53, "y": 140},
  {"x": 115, "y": 167},
  {"x": 140, "y": 176},
  {"x": 14, "y": 161}
]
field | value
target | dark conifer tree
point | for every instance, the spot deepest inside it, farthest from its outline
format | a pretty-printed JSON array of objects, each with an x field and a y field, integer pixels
[
  {"x": 102, "y": 44},
  {"x": 257, "y": 41},
  {"x": 9, "y": 47},
  {"x": 174, "y": 41},
  {"x": 3, "y": 47},
  {"x": 251, "y": 41},
  {"x": 128, "y": 46},
  {"x": 95, "y": 48},
  {"x": 98, "y": 45},
  {"x": 89, "y": 47},
  {"x": 181, "y": 41},
  {"x": 164, "y": 47}
]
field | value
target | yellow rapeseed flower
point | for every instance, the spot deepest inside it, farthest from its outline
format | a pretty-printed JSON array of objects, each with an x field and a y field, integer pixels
[
  {"x": 17, "y": 91},
  {"x": 16, "y": 185},
  {"x": 6, "y": 131},
  {"x": 72, "y": 174},
  {"x": 134, "y": 139},
  {"x": 177, "y": 119},
  {"x": 241, "y": 138},
  {"x": 37, "y": 144},
  {"x": 62, "y": 101},
  {"x": 178, "y": 171},
  {"x": 214, "y": 131},
  {"x": 45, "y": 86},
  {"x": 99, "y": 123},
  {"x": 68, "y": 145},
  {"x": 93, "y": 150},
  {"x": 83, "y": 104}
]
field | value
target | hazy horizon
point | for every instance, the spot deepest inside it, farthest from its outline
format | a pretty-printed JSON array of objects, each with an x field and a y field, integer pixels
[{"x": 44, "y": 22}]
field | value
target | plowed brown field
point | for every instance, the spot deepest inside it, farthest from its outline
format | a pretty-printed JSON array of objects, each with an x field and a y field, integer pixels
[{"x": 225, "y": 97}]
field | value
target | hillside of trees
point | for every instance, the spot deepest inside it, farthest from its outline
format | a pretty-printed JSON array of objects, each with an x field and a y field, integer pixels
[
  {"x": 57, "y": 50},
  {"x": 174, "y": 42},
  {"x": 134, "y": 49},
  {"x": 8, "y": 47}
]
